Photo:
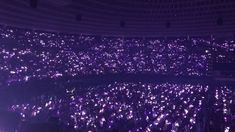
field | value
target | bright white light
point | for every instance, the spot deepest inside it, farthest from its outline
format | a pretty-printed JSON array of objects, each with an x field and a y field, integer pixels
[{"x": 227, "y": 129}]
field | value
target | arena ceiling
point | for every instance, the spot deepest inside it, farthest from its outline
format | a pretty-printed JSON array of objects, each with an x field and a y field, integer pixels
[{"x": 122, "y": 17}]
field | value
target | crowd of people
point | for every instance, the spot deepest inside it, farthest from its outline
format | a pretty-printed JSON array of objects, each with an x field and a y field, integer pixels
[
  {"x": 224, "y": 50},
  {"x": 222, "y": 110},
  {"x": 135, "y": 107},
  {"x": 121, "y": 106},
  {"x": 26, "y": 54}
]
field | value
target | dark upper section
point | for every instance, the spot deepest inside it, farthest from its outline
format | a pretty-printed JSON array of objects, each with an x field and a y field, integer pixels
[{"x": 122, "y": 17}]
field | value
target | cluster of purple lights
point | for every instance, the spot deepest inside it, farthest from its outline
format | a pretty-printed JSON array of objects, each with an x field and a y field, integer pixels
[
  {"x": 224, "y": 50},
  {"x": 143, "y": 106},
  {"x": 224, "y": 98},
  {"x": 27, "y": 54}
]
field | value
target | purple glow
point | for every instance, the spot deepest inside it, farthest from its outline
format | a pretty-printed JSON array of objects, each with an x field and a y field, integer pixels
[{"x": 104, "y": 106}]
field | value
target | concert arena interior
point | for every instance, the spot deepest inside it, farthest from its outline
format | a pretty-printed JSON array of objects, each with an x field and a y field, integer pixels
[{"x": 117, "y": 66}]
